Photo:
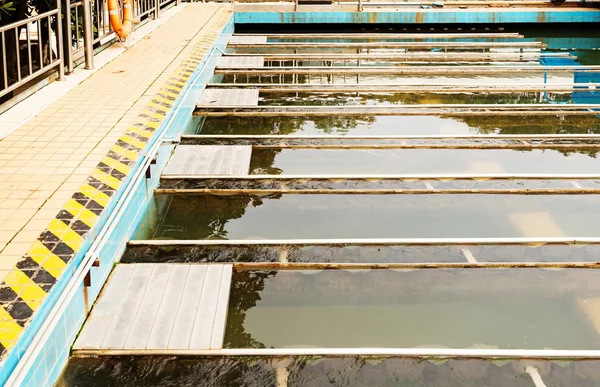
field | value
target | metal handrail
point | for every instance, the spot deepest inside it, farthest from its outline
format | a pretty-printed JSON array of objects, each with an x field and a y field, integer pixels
[
  {"x": 54, "y": 60},
  {"x": 70, "y": 40},
  {"x": 28, "y": 20}
]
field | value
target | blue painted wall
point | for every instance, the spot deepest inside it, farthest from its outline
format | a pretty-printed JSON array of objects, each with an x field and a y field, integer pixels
[{"x": 420, "y": 17}]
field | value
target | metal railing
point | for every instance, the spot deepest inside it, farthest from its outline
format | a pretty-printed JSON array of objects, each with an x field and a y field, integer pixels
[
  {"x": 101, "y": 30},
  {"x": 30, "y": 48},
  {"x": 56, "y": 39}
]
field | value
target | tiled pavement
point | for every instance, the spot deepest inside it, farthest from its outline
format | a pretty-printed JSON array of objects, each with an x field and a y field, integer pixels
[{"x": 58, "y": 171}]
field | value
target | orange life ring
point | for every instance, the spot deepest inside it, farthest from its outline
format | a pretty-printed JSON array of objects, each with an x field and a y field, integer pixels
[{"x": 121, "y": 27}]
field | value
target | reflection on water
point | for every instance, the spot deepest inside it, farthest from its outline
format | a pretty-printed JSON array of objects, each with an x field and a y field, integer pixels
[
  {"x": 433, "y": 308},
  {"x": 400, "y": 125},
  {"x": 291, "y": 216},
  {"x": 421, "y": 161},
  {"x": 353, "y": 371}
]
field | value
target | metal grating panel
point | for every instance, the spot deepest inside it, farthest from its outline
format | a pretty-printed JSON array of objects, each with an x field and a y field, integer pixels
[
  {"x": 160, "y": 306},
  {"x": 241, "y": 61},
  {"x": 229, "y": 98},
  {"x": 194, "y": 160},
  {"x": 247, "y": 39}
]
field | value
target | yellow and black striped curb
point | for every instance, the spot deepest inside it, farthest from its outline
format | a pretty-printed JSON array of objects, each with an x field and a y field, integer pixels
[{"x": 27, "y": 285}]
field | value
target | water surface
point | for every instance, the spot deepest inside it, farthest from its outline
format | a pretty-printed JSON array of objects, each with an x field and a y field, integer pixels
[
  {"x": 324, "y": 216},
  {"x": 426, "y": 308},
  {"x": 421, "y": 161}
]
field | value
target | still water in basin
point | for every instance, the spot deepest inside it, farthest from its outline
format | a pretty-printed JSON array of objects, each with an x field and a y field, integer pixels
[
  {"x": 351, "y": 371},
  {"x": 433, "y": 308},
  {"x": 391, "y": 125},
  {"x": 425, "y": 161},
  {"x": 290, "y": 216}
]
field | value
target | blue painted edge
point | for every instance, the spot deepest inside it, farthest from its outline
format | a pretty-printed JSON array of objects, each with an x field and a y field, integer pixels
[
  {"x": 419, "y": 17},
  {"x": 42, "y": 313}
]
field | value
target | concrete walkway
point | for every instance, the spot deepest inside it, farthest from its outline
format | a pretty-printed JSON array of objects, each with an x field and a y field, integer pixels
[{"x": 59, "y": 170}]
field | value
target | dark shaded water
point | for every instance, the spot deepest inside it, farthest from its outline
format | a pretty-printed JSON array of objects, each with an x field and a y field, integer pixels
[
  {"x": 322, "y": 372},
  {"x": 362, "y": 254},
  {"x": 392, "y": 99}
]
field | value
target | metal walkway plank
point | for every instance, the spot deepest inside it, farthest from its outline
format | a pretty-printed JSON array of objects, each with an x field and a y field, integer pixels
[
  {"x": 229, "y": 97},
  {"x": 209, "y": 160},
  {"x": 218, "y": 331},
  {"x": 165, "y": 318},
  {"x": 186, "y": 315},
  {"x": 150, "y": 307},
  {"x": 125, "y": 314},
  {"x": 241, "y": 61},
  {"x": 203, "y": 324},
  {"x": 255, "y": 39},
  {"x": 104, "y": 310}
]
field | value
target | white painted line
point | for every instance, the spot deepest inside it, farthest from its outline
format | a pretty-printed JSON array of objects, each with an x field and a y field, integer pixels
[
  {"x": 469, "y": 256},
  {"x": 429, "y": 186},
  {"x": 535, "y": 376},
  {"x": 576, "y": 184}
]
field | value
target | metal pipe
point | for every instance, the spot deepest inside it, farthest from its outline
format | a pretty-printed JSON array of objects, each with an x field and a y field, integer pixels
[
  {"x": 426, "y": 146},
  {"x": 394, "y": 137},
  {"x": 28, "y": 36},
  {"x": 371, "y": 241},
  {"x": 406, "y": 176},
  {"x": 391, "y": 191},
  {"x": 406, "y": 113},
  {"x": 451, "y": 35},
  {"x": 88, "y": 37},
  {"x": 401, "y": 110},
  {"x": 5, "y": 75},
  {"x": 156, "y": 8},
  {"x": 517, "y": 106},
  {"x": 239, "y": 266},
  {"x": 59, "y": 40},
  {"x": 407, "y": 70},
  {"x": 535, "y": 46},
  {"x": 28, "y": 20},
  {"x": 399, "y": 88},
  {"x": 423, "y": 56},
  {"x": 381, "y": 352}
]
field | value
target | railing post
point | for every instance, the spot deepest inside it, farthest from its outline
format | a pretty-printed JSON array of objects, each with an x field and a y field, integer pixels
[
  {"x": 67, "y": 36},
  {"x": 156, "y": 8},
  {"x": 59, "y": 41},
  {"x": 88, "y": 36}
]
